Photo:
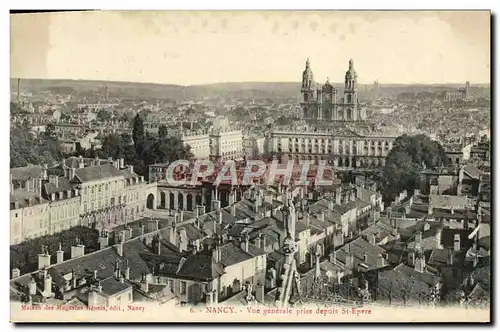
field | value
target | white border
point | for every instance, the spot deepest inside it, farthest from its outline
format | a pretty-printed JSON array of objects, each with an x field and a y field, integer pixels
[{"x": 200, "y": 5}]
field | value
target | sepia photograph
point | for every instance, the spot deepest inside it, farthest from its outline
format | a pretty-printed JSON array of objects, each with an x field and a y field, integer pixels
[{"x": 250, "y": 166}]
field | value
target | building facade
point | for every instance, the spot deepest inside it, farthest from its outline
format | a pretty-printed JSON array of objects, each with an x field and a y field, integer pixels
[
  {"x": 341, "y": 147},
  {"x": 98, "y": 196},
  {"x": 324, "y": 104},
  {"x": 217, "y": 143}
]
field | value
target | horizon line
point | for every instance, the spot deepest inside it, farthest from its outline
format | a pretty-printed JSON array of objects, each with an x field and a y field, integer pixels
[{"x": 238, "y": 82}]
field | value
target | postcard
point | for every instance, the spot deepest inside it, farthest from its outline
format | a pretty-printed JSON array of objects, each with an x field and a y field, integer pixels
[{"x": 250, "y": 166}]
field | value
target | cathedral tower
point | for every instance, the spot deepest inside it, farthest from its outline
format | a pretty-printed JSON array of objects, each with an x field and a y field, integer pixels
[
  {"x": 307, "y": 89},
  {"x": 351, "y": 80}
]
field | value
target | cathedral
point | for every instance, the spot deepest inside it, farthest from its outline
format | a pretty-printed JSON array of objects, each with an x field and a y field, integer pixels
[{"x": 325, "y": 105}]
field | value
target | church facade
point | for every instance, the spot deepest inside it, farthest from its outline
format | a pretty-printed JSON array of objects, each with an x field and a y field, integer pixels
[
  {"x": 324, "y": 102},
  {"x": 334, "y": 129}
]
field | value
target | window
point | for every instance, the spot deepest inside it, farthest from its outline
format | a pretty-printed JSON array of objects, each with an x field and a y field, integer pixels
[{"x": 183, "y": 287}]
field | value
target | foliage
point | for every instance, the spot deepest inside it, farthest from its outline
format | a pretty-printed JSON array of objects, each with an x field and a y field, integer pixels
[
  {"x": 405, "y": 162},
  {"x": 104, "y": 115},
  {"x": 24, "y": 256},
  {"x": 146, "y": 150},
  {"x": 26, "y": 148},
  {"x": 138, "y": 131},
  {"x": 162, "y": 131}
]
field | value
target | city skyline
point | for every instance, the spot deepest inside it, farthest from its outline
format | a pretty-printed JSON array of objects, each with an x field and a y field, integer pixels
[{"x": 223, "y": 47}]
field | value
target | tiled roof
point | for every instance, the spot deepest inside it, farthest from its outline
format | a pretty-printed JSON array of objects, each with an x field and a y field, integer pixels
[
  {"x": 358, "y": 248},
  {"x": 97, "y": 172},
  {"x": 200, "y": 266},
  {"x": 21, "y": 196},
  {"x": 62, "y": 185},
  {"x": 26, "y": 173},
  {"x": 111, "y": 286},
  {"x": 232, "y": 254},
  {"x": 472, "y": 171}
]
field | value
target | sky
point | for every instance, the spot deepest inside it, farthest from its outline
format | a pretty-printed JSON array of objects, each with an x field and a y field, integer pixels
[{"x": 188, "y": 48}]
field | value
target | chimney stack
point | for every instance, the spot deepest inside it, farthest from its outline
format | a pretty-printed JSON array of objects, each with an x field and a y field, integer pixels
[
  {"x": 32, "y": 287},
  {"x": 119, "y": 247},
  {"x": 420, "y": 264},
  {"x": 259, "y": 292},
  {"x": 47, "y": 284},
  {"x": 372, "y": 239},
  {"x": 233, "y": 210},
  {"x": 103, "y": 240},
  {"x": 144, "y": 284},
  {"x": 43, "y": 259},
  {"x": 60, "y": 254},
  {"x": 380, "y": 261},
  {"x": 333, "y": 257},
  {"x": 245, "y": 242},
  {"x": 71, "y": 173},
  {"x": 15, "y": 273},
  {"x": 450, "y": 258},
  {"x": 215, "y": 205},
  {"x": 456, "y": 242}
]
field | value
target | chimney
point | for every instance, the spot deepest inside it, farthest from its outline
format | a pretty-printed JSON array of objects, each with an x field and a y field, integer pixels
[
  {"x": 60, "y": 254},
  {"x": 15, "y": 273},
  {"x": 219, "y": 217},
  {"x": 322, "y": 216},
  {"x": 47, "y": 284},
  {"x": 215, "y": 205},
  {"x": 71, "y": 173},
  {"x": 143, "y": 229},
  {"x": 365, "y": 258},
  {"x": 233, "y": 210},
  {"x": 144, "y": 284},
  {"x": 209, "y": 297},
  {"x": 372, "y": 239},
  {"x": 430, "y": 209},
  {"x": 420, "y": 264},
  {"x": 349, "y": 261},
  {"x": 411, "y": 258},
  {"x": 122, "y": 164},
  {"x": 306, "y": 220},
  {"x": 131, "y": 169},
  {"x": 333, "y": 257},
  {"x": 95, "y": 274},
  {"x": 258, "y": 240},
  {"x": 450, "y": 258},
  {"x": 338, "y": 196},
  {"x": 259, "y": 292},
  {"x": 43, "y": 260},
  {"x": 103, "y": 240},
  {"x": 158, "y": 247},
  {"x": 32, "y": 286},
  {"x": 456, "y": 242},
  {"x": 183, "y": 243},
  {"x": 244, "y": 243},
  {"x": 119, "y": 246},
  {"x": 418, "y": 237},
  {"x": 181, "y": 216},
  {"x": 216, "y": 254},
  {"x": 380, "y": 261}
]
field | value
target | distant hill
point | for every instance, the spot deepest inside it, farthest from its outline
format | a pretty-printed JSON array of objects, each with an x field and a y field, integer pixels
[{"x": 231, "y": 90}]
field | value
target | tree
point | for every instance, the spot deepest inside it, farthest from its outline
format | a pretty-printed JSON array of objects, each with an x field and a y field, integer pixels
[
  {"x": 26, "y": 148},
  {"x": 162, "y": 131},
  {"x": 104, "y": 115},
  {"x": 405, "y": 162},
  {"x": 138, "y": 131},
  {"x": 112, "y": 146}
]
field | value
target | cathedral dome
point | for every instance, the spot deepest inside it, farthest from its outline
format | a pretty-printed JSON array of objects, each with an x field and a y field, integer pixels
[
  {"x": 327, "y": 87},
  {"x": 351, "y": 73}
]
